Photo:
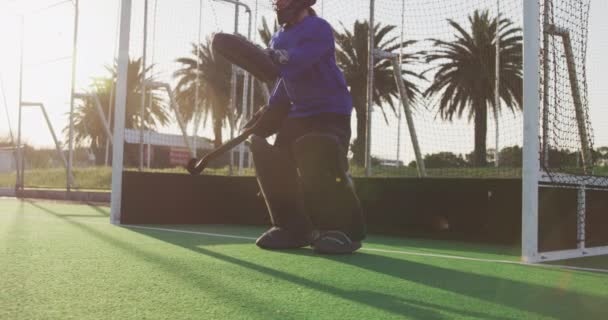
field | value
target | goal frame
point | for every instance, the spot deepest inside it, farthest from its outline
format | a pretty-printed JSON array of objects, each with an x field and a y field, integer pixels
[{"x": 533, "y": 178}]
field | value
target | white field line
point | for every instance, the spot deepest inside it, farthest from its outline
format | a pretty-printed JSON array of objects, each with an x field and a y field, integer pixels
[
  {"x": 402, "y": 252},
  {"x": 409, "y": 253},
  {"x": 218, "y": 235}
]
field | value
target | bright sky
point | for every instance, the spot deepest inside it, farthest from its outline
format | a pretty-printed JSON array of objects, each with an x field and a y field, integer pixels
[{"x": 48, "y": 51}]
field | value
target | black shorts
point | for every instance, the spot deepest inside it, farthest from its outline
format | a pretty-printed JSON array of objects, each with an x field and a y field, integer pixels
[{"x": 334, "y": 124}]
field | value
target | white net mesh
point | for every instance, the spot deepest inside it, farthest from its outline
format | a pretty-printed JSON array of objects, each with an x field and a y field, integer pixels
[
  {"x": 452, "y": 141},
  {"x": 447, "y": 138},
  {"x": 461, "y": 128},
  {"x": 568, "y": 151}
]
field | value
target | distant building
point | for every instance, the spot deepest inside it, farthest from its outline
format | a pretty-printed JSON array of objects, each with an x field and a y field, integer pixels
[
  {"x": 7, "y": 160},
  {"x": 391, "y": 163},
  {"x": 169, "y": 150},
  {"x": 165, "y": 140}
]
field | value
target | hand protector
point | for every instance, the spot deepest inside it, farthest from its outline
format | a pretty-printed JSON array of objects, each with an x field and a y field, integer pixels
[
  {"x": 267, "y": 121},
  {"x": 279, "y": 57}
]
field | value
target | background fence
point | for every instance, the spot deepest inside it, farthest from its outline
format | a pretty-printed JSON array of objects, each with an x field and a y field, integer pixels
[{"x": 463, "y": 130}]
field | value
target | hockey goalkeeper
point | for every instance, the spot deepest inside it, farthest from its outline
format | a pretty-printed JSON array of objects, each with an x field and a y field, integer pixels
[{"x": 304, "y": 176}]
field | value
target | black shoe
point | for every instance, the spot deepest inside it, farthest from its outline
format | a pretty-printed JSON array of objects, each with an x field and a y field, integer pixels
[
  {"x": 334, "y": 242},
  {"x": 278, "y": 239}
]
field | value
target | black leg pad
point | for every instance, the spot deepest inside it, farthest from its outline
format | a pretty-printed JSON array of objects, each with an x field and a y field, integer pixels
[
  {"x": 278, "y": 181},
  {"x": 329, "y": 194}
]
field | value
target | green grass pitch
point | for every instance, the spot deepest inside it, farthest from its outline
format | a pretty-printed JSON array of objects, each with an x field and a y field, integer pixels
[{"x": 65, "y": 261}]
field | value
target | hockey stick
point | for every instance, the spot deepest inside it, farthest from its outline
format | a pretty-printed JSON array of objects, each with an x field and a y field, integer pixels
[
  {"x": 266, "y": 124},
  {"x": 196, "y": 166}
]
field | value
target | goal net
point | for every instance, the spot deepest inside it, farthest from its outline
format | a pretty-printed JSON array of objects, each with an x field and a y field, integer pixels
[
  {"x": 473, "y": 89},
  {"x": 568, "y": 219}
]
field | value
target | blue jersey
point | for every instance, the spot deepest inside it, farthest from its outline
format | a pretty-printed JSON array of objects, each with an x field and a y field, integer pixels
[{"x": 311, "y": 82}]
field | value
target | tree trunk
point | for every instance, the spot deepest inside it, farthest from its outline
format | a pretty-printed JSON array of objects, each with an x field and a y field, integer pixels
[
  {"x": 217, "y": 132},
  {"x": 99, "y": 159},
  {"x": 481, "y": 132}
]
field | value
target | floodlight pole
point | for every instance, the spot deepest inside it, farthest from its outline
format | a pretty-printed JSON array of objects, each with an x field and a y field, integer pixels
[
  {"x": 400, "y": 63},
  {"x": 497, "y": 87},
  {"x": 197, "y": 109},
  {"x": 142, "y": 111},
  {"x": 370, "y": 91},
  {"x": 19, "y": 182},
  {"x": 72, "y": 91}
]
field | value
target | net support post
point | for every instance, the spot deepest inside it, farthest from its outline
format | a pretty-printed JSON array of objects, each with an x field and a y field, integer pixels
[
  {"x": 531, "y": 163},
  {"x": 586, "y": 152},
  {"x": 52, "y": 131},
  {"x": 119, "y": 119},
  {"x": 175, "y": 106},
  {"x": 396, "y": 63},
  {"x": 99, "y": 109}
]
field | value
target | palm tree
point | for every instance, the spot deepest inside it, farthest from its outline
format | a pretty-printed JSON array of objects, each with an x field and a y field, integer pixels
[
  {"x": 215, "y": 74},
  {"x": 87, "y": 123},
  {"x": 352, "y": 54},
  {"x": 214, "y": 89},
  {"x": 464, "y": 77}
]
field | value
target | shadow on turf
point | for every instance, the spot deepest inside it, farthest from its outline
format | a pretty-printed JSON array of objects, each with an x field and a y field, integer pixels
[
  {"x": 519, "y": 295},
  {"x": 191, "y": 277},
  {"x": 100, "y": 212},
  {"x": 447, "y": 245},
  {"x": 384, "y": 302}
]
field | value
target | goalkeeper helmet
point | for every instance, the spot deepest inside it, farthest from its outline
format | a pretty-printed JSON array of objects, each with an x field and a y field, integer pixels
[{"x": 288, "y": 10}]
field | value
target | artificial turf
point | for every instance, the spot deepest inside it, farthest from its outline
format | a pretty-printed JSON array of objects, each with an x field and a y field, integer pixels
[{"x": 65, "y": 261}]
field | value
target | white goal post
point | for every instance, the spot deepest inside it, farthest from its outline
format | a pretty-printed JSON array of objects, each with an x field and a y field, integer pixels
[{"x": 531, "y": 165}]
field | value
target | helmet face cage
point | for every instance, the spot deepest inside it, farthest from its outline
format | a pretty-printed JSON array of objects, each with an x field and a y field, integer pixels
[
  {"x": 288, "y": 9},
  {"x": 281, "y": 4}
]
